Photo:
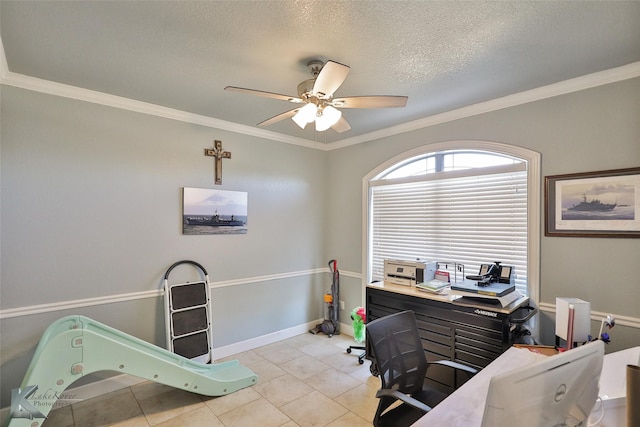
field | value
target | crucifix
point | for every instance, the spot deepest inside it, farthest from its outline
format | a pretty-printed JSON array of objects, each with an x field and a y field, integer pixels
[{"x": 219, "y": 154}]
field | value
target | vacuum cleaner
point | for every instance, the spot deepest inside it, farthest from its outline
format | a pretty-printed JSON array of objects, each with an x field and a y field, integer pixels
[{"x": 331, "y": 324}]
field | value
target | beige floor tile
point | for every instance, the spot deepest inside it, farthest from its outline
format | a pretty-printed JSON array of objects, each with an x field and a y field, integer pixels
[
  {"x": 284, "y": 389},
  {"x": 361, "y": 400},
  {"x": 332, "y": 383},
  {"x": 256, "y": 413},
  {"x": 321, "y": 349},
  {"x": 343, "y": 361},
  {"x": 279, "y": 352},
  {"x": 305, "y": 367},
  {"x": 61, "y": 417},
  {"x": 223, "y": 404},
  {"x": 349, "y": 420},
  {"x": 343, "y": 341},
  {"x": 148, "y": 389},
  {"x": 165, "y": 406},
  {"x": 139, "y": 421},
  {"x": 110, "y": 408},
  {"x": 244, "y": 358},
  {"x": 202, "y": 417},
  {"x": 301, "y": 340},
  {"x": 363, "y": 373},
  {"x": 265, "y": 370},
  {"x": 314, "y": 410}
]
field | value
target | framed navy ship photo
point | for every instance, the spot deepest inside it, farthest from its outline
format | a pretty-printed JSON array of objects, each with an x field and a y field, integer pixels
[
  {"x": 206, "y": 211},
  {"x": 593, "y": 204}
]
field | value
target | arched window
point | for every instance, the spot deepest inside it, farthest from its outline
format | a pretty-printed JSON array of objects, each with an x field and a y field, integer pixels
[{"x": 465, "y": 202}]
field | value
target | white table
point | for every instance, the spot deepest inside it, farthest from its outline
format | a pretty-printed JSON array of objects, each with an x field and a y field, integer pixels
[{"x": 465, "y": 406}]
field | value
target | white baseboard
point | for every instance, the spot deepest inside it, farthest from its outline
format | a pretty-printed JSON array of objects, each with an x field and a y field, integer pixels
[{"x": 250, "y": 344}]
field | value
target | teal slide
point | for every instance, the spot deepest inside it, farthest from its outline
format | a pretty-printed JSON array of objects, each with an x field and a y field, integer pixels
[{"x": 76, "y": 345}]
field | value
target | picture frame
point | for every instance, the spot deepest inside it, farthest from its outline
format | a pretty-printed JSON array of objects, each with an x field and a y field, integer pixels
[
  {"x": 593, "y": 204},
  {"x": 208, "y": 211}
]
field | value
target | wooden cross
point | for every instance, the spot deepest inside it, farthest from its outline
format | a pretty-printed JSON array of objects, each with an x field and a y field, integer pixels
[{"x": 219, "y": 154}]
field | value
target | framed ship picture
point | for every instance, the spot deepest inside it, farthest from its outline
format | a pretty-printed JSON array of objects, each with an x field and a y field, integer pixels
[
  {"x": 593, "y": 204},
  {"x": 206, "y": 211}
]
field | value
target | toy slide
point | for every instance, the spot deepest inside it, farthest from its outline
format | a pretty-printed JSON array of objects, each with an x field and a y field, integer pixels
[{"x": 76, "y": 345}]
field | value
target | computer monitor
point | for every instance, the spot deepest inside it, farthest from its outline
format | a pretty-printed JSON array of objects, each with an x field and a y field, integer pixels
[{"x": 560, "y": 390}]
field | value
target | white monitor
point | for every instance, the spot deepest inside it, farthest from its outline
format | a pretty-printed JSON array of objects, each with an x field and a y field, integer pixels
[{"x": 560, "y": 390}]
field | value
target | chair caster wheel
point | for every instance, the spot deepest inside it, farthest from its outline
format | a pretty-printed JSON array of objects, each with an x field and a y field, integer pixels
[{"x": 374, "y": 370}]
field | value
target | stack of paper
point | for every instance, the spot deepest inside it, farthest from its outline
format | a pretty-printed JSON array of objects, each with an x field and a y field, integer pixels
[{"x": 435, "y": 286}]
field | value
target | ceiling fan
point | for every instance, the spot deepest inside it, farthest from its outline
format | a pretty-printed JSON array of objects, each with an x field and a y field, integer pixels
[{"x": 317, "y": 96}]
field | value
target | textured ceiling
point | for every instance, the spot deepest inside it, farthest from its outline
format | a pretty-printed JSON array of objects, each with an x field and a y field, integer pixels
[{"x": 442, "y": 55}]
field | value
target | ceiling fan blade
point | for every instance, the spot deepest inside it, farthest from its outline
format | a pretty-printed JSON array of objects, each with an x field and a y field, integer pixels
[
  {"x": 381, "y": 101},
  {"x": 264, "y": 94},
  {"x": 342, "y": 125},
  {"x": 279, "y": 117},
  {"x": 329, "y": 79}
]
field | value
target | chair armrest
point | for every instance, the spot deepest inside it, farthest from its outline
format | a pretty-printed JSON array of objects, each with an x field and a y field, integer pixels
[
  {"x": 455, "y": 365},
  {"x": 405, "y": 398}
]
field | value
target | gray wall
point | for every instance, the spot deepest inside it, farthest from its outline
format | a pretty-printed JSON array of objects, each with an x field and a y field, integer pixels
[
  {"x": 91, "y": 207},
  {"x": 591, "y": 130}
]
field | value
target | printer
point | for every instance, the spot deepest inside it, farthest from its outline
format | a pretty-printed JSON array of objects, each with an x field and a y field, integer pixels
[{"x": 408, "y": 273}]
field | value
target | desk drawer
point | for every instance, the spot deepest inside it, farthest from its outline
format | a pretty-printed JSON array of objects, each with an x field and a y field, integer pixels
[
  {"x": 446, "y": 340},
  {"x": 487, "y": 340},
  {"x": 375, "y": 312},
  {"x": 474, "y": 356},
  {"x": 478, "y": 347},
  {"x": 385, "y": 299},
  {"x": 434, "y": 325},
  {"x": 441, "y": 351}
]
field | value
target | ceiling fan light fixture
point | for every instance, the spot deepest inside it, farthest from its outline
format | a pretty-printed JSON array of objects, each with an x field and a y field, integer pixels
[
  {"x": 319, "y": 105},
  {"x": 305, "y": 115},
  {"x": 328, "y": 118}
]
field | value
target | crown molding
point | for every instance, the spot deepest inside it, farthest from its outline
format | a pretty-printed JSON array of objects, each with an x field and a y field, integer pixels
[
  {"x": 9, "y": 78},
  {"x": 80, "y": 94},
  {"x": 588, "y": 81}
]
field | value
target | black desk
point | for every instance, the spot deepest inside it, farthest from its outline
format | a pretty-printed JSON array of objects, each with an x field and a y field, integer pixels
[{"x": 470, "y": 333}]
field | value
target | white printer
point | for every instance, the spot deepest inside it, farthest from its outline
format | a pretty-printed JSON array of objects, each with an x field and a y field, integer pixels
[{"x": 408, "y": 273}]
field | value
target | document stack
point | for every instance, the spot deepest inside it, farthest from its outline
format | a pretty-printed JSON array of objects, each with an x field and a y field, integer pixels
[{"x": 440, "y": 282}]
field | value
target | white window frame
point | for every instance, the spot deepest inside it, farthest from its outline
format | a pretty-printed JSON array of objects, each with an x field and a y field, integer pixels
[{"x": 532, "y": 160}]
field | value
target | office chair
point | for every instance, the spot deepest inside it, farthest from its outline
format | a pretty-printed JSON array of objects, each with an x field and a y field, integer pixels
[
  {"x": 402, "y": 365},
  {"x": 361, "y": 356}
]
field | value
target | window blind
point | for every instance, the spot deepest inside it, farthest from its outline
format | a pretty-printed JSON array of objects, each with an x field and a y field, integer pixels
[{"x": 470, "y": 219}]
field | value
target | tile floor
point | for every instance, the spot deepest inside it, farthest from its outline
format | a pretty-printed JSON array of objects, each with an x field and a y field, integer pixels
[{"x": 307, "y": 380}]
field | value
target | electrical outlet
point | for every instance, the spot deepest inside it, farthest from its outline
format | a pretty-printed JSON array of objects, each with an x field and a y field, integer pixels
[{"x": 341, "y": 305}]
